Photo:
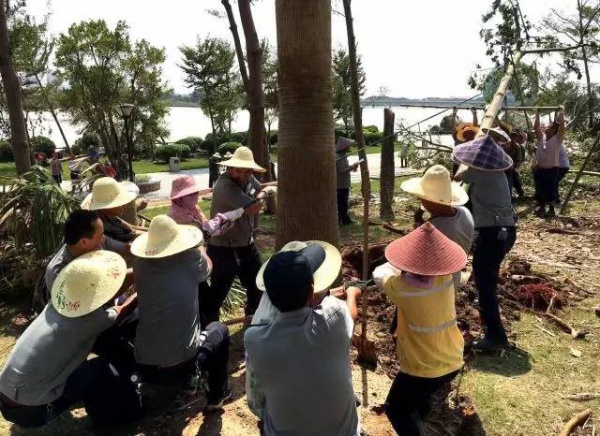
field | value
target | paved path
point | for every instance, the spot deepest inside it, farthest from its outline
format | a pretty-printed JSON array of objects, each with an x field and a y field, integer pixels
[{"x": 201, "y": 176}]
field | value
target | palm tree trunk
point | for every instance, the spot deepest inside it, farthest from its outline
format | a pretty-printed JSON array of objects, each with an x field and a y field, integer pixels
[
  {"x": 256, "y": 105},
  {"x": 387, "y": 176},
  {"x": 12, "y": 91},
  {"x": 307, "y": 192}
]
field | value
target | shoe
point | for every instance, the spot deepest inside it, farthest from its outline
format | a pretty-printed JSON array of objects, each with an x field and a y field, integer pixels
[
  {"x": 219, "y": 402},
  {"x": 551, "y": 213},
  {"x": 486, "y": 345}
]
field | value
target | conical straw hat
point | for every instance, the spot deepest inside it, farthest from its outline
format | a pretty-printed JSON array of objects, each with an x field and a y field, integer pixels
[
  {"x": 165, "y": 238},
  {"x": 87, "y": 283}
]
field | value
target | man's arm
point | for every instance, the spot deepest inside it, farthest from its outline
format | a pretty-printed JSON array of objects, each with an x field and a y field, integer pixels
[
  {"x": 352, "y": 295},
  {"x": 560, "y": 119},
  {"x": 539, "y": 134}
]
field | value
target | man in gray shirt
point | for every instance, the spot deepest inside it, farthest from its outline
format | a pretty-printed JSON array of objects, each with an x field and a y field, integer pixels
[
  {"x": 47, "y": 371},
  {"x": 170, "y": 345},
  {"x": 302, "y": 382},
  {"x": 495, "y": 227},
  {"x": 234, "y": 253},
  {"x": 343, "y": 169}
]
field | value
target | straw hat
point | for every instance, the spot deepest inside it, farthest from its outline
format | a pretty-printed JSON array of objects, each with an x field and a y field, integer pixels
[
  {"x": 165, "y": 238},
  {"x": 499, "y": 132},
  {"x": 343, "y": 143},
  {"x": 217, "y": 155},
  {"x": 436, "y": 186},
  {"x": 323, "y": 277},
  {"x": 186, "y": 185},
  {"x": 227, "y": 155},
  {"x": 87, "y": 283},
  {"x": 464, "y": 128},
  {"x": 426, "y": 251},
  {"x": 106, "y": 194},
  {"x": 483, "y": 154},
  {"x": 242, "y": 158}
]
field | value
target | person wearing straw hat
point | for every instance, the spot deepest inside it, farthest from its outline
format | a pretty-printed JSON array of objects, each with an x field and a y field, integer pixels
[
  {"x": 418, "y": 280},
  {"x": 343, "y": 169},
  {"x": 300, "y": 381},
  {"x": 213, "y": 168},
  {"x": 47, "y": 371},
  {"x": 108, "y": 198},
  {"x": 170, "y": 345},
  {"x": 495, "y": 227},
  {"x": 464, "y": 132},
  {"x": 547, "y": 157},
  {"x": 234, "y": 252},
  {"x": 444, "y": 200}
]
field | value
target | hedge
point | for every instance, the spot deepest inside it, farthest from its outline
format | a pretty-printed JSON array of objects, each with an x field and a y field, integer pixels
[
  {"x": 164, "y": 152},
  {"x": 43, "y": 144},
  {"x": 194, "y": 142},
  {"x": 228, "y": 147},
  {"x": 6, "y": 152}
]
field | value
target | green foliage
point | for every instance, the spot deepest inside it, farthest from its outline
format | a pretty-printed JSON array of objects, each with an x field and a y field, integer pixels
[
  {"x": 164, "y": 152},
  {"x": 370, "y": 129},
  {"x": 6, "y": 152},
  {"x": 142, "y": 178},
  {"x": 105, "y": 68},
  {"x": 33, "y": 214},
  {"x": 241, "y": 137},
  {"x": 228, "y": 147},
  {"x": 43, "y": 144},
  {"x": 193, "y": 142},
  {"x": 342, "y": 86},
  {"x": 209, "y": 68},
  {"x": 86, "y": 141},
  {"x": 371, "y": 137}
]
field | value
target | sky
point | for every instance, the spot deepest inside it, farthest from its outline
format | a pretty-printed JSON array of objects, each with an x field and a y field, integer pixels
[{"x": 415, "y": 48}]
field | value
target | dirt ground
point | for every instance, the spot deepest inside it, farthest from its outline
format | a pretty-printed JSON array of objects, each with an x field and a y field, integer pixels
[{"x": 552, "y": 269}]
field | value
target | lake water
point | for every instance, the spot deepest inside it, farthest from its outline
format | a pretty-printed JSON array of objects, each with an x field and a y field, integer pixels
[{"x": 186, "y": 121}]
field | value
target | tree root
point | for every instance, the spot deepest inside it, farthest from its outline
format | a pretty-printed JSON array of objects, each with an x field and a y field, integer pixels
[{"x": 575, "y": 422}]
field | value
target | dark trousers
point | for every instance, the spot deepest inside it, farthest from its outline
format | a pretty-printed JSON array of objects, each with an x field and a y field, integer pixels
[
  {"x": 57, "y": 178},
  {"x": 229, "y": 262},
  {"x": 491, "y": 246},
  {"x": 212, "y": 357},
  {"x": 408, "y": 401},
  {"x": 342, "y": 203},
  {"x": 107, "y": 397},
  {"x": 213, "y": 175},
  {"x": 518, "y": 183},
  {"x": 546, "y": 185},
  {"x": 562, "y": 172},
  {"x": 115, "y": 344}
]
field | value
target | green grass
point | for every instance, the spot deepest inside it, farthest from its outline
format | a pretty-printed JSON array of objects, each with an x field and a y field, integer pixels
[{"x": 144, "y": 166}]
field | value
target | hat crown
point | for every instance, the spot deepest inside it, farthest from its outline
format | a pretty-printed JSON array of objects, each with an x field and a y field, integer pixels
[
  {"x": 436, "y": 180},
  {"x": 243, "y": 153},
  {"x": 81, "y": 275},
  {"x": 162, "y": 230},
  {"x": 181, "y": 183},
  {"x": 105, "y": 190}
]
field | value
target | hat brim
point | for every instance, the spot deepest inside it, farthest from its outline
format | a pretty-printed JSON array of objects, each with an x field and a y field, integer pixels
[
  {"x": 498, "y": 132},
  {"x": 105, "y": 288},
  {"x": 191, "y": 190},
  {"x": 413, "y": 186},
  {"x": 472, "y": 165},
  {"x": 122, "y": 199},
  {"x": 238, "y": 163},
  {"x": 187, "y": 237},
  {"x": 323, "y": 277},
  {"x": 461, "y": 133}
]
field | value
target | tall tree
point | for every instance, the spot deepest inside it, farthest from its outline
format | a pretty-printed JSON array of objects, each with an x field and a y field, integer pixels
[
  {"x": 239, "y": 51},
  {"x": 104, "y": 69},
  {"x": 342, "y": 87},
  {"x": 271, "y": 87},
  {"x": 12, "y": 92},
  {"x": 582, "y": 29},
  {"x": 387, "y": 175},
  {"x": 256, "y": 101},
  {"x": 306, "y": 195}
]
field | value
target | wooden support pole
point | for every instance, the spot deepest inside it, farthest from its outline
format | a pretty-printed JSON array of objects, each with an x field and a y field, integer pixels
[{"x": 563, "y": 209}]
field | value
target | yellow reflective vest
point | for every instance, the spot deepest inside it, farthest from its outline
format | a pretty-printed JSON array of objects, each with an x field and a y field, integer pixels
[{"x": 429, "y": 343}]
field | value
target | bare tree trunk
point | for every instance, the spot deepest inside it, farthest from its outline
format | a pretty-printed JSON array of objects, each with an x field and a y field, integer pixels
[
  {"x": 12, "y": 91},
  {"x": 256, "y": 105},
  {"x": 238, "y": 45},
  {"x": 586, "y": 67},
  {"x": 387, "y": 176},
  {"x": 360, "y": 139},
  {"x": 53, "y": 113},
  {"x": 307, "y": 191}
]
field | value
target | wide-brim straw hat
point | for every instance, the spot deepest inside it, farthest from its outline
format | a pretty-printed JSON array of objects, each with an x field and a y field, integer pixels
[
  {"x": 483, "y": 154},
  {"x": 165, "y": 238},
  {"x": 464, "y": 129},
  {"x": 427, "y": 252},
  {"x": 106, "y": 194},
  {"x": 436, "y": 186},
  {"x": 343, "y": 143},
  {"x": 186, "y": 185},
  {"x": 87, "y": 283},
  {"x": 242, "y": 158},
  {"x": 498, "y": 131},
  {"x": 216, "y": 155},
  {"x": 323, "y": 277}
]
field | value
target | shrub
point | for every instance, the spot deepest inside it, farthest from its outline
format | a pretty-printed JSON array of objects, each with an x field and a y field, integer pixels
[
  {"x": 142, "y": 178},
  {"x": 43, "y": 144},
  {"x": 241, "y": 137},
  {"x": 164, "y": 152},
  {"x": 228, "y": 147},
  {"x": 370, "y": 129},
  {"x": 194, "y": 142},
  {"x": 86, "y": 141},
  {"x": 6, "y": 152},
  {"x": 371, "y": 137}
]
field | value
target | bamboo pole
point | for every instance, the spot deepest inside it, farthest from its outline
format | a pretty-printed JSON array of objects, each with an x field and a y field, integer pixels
[
  {"x": 563, "y": 208},
  {"x": 478, "y": 107}
]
